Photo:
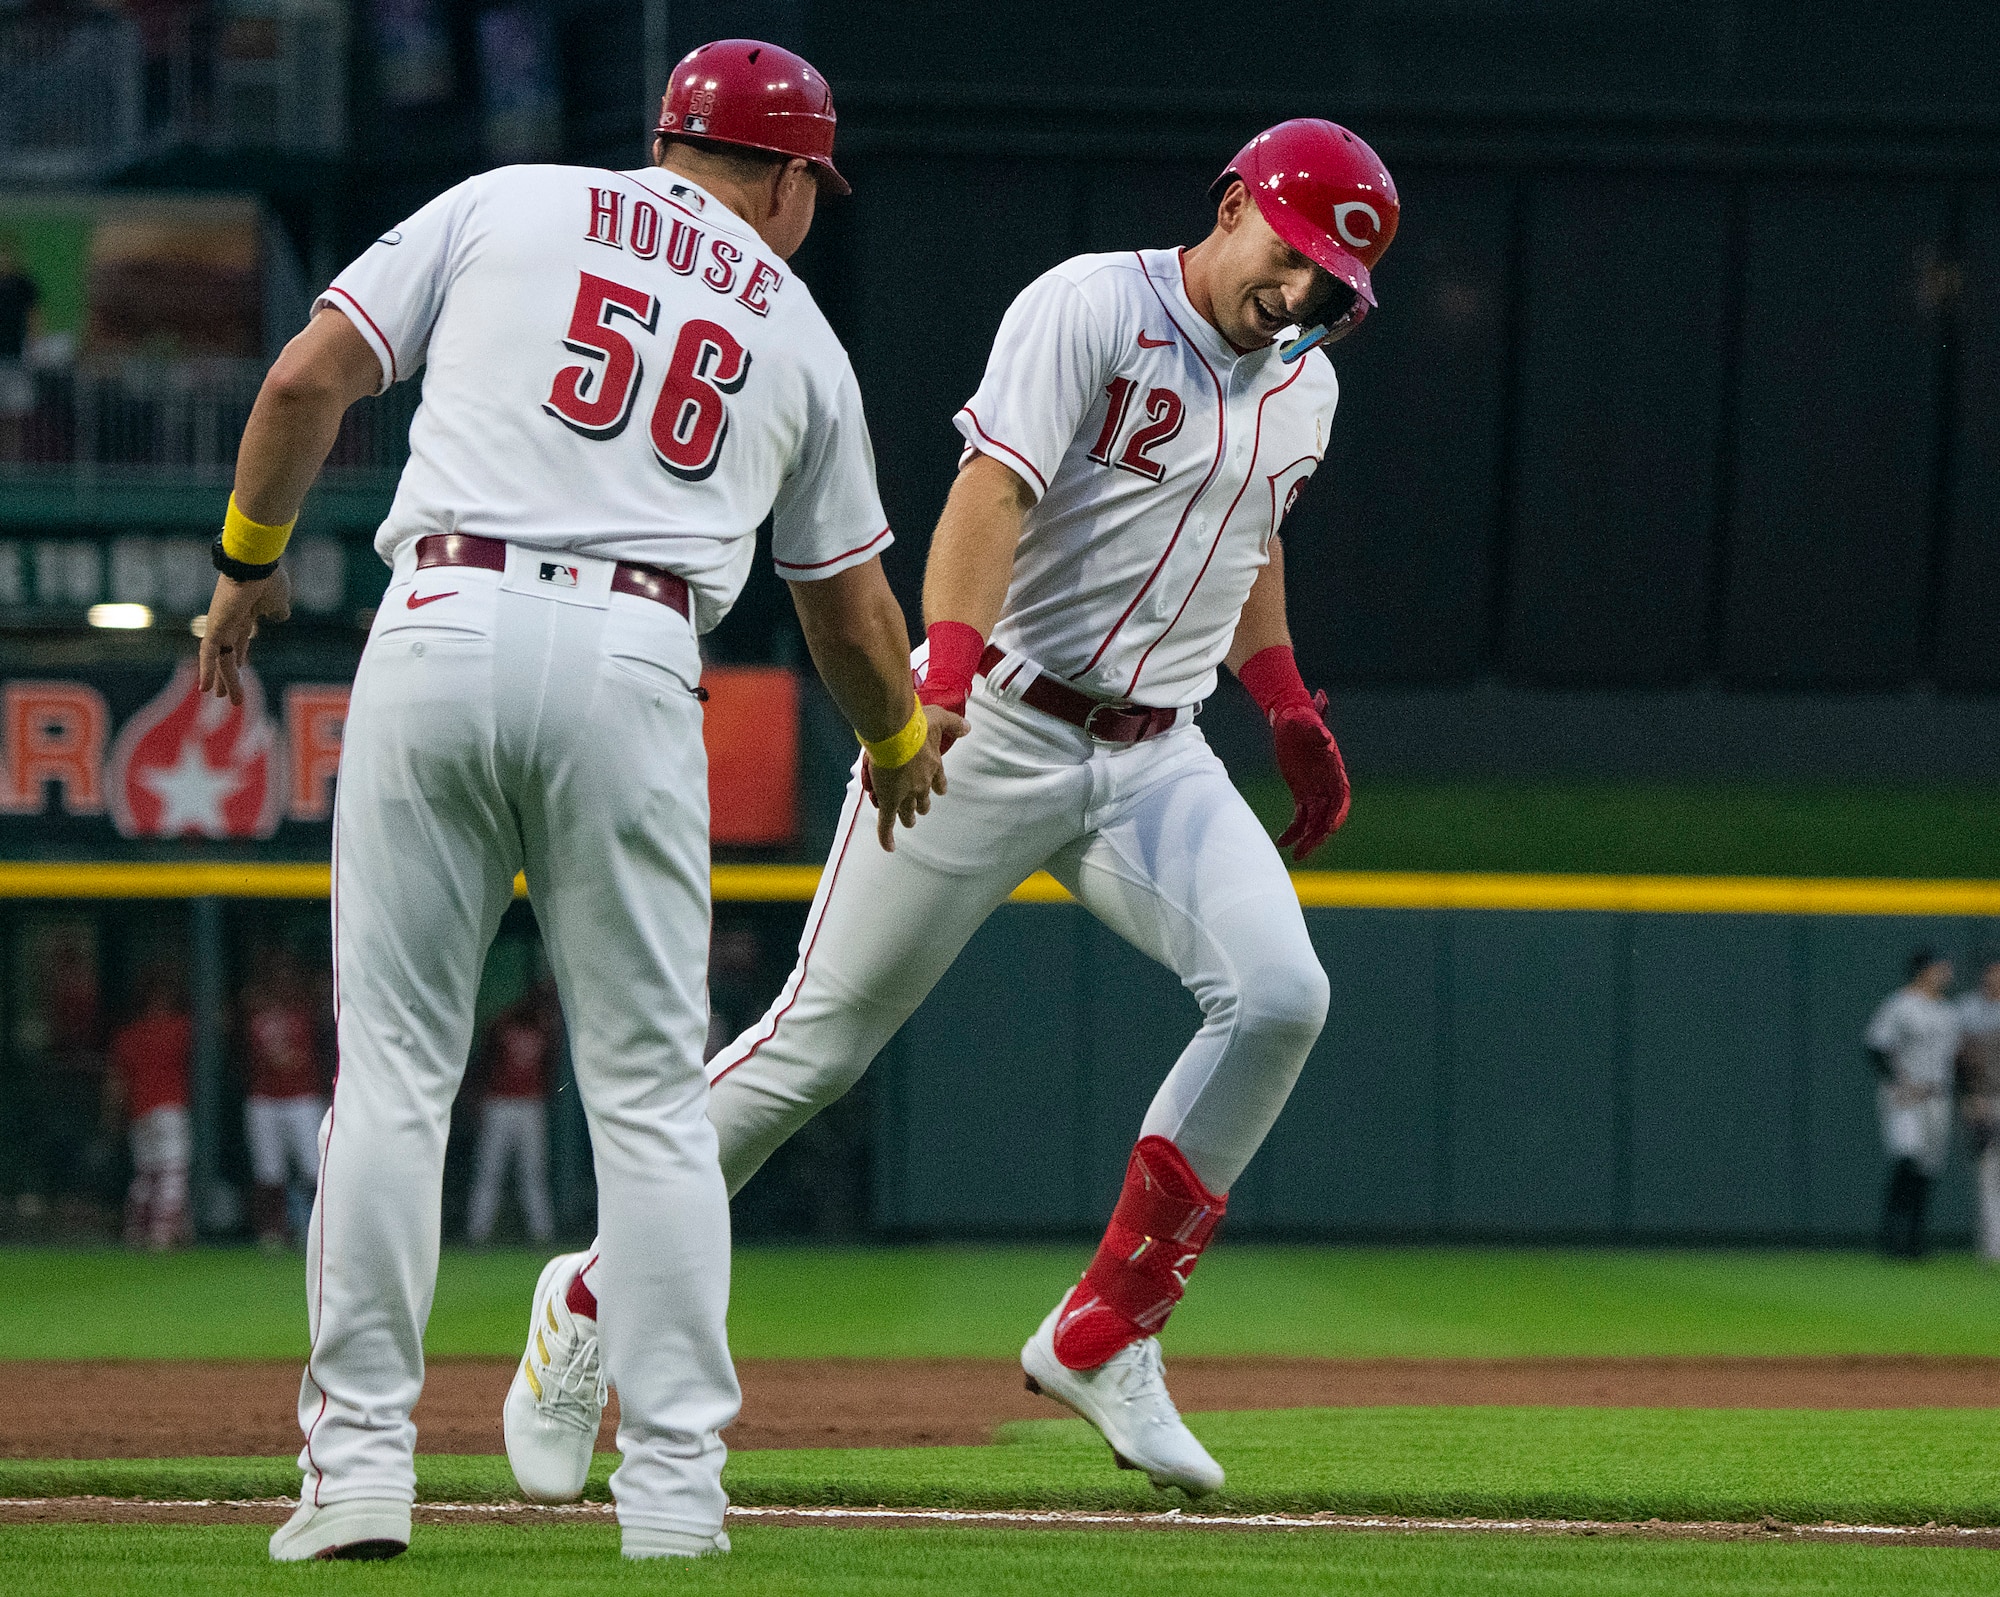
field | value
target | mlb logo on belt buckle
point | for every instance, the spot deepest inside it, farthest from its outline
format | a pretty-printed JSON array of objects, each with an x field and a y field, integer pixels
[{"x": 561, "y": 576}]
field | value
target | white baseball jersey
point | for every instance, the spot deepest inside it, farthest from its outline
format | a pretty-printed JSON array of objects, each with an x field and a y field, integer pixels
[
  {"x": 596, "y": 345},
  {"x": 1161, "y": 461},
  {"x": 1978, "y": 1015},
  {"x": 1920, "y": 1035}
]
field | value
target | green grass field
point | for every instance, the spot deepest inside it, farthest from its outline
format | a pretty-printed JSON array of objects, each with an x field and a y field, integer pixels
[
  {"x": 1885, "y": 1466},
  {"x": 1675, "y": 829},
  {"x": 1336, "y": 1302},
  {"x": 1888, "y": 1466},
  {"x": 492, "y": 1561}
]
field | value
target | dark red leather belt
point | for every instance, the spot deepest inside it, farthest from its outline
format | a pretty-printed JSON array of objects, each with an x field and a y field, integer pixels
[
  {"x": 490, "y": 554},
  {"x": 1105, "y": 720}
]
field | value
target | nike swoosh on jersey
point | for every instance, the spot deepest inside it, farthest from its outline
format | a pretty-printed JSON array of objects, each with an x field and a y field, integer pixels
[
  {"x": 1154, "y": 343},
  {"x": 416, "y": 602}
]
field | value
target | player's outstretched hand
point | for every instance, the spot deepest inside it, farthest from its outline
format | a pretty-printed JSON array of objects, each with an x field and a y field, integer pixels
[
  {"x": 233, "y": 615},
  {"x": 905, "y": 793},
  {"x": 1310, "y": 762}
]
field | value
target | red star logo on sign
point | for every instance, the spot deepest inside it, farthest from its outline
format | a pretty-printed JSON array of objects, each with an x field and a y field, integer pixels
[{"x": 188, "y": 765}]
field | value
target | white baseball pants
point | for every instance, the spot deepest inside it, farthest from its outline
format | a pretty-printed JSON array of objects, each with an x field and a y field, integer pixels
[
  {"x": 1982, "y": 1120},
  {"x": 1987, "y": 1174},
  {"x": 502, "y": 724},
  {"x": 283, "y": 1134},
  {"x": 162, "y": 1146},
  {"x": 1154, "y": 840},
  {"x": 1916, "y": 1124},
  {"x": 512, "y": 1132}
]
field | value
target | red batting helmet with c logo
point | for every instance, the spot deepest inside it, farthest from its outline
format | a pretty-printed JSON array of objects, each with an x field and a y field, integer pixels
[
  {"x": 756, "y": 96},
  {"x": 1324, "y": 192}
]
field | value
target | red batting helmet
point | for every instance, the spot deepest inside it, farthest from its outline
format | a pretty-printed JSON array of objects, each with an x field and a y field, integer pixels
[
  {"x": 756, "y": 96},
  {"x": 1324, "y": 192}
]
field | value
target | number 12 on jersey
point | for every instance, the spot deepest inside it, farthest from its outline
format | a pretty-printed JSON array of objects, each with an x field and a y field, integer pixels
[
  {"x": 1163, "y": 405},
  {"x": 690, "y": 418}
]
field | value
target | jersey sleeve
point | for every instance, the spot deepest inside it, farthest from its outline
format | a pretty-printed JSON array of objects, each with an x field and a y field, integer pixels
[
  {"x": 1885, "y": 1031},
  {"x": 393, "y": 293},
  {"x": 1050, "y": 358},
  {"x": 828, "y": 516}
]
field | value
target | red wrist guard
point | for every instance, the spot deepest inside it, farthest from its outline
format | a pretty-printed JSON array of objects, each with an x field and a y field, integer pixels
[
  {"x": 955, "y": 649},
  {"x": 1272, "y": 676}
]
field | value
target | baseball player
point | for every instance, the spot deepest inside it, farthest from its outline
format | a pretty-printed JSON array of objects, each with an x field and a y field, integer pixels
[
  {"x": 150, "y": 1055},
  {"x": 623, "y": 378},
  {"x": 1979, "y": 1098},
  {"x": 514, "y": 1116},
  {"x": 1145, "y": 422},
  {"x": 1913, "y": 1040},
  {"x": 286, "y": 1100}
]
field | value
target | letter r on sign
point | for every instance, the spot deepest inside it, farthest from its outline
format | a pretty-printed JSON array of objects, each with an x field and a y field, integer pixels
[{"x": 315, "y": 716}]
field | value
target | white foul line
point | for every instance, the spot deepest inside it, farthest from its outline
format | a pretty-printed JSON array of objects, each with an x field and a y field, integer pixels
[{"x": 1169, "y": 1519}]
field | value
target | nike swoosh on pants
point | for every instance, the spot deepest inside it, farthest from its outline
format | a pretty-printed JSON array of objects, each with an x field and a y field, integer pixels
[{"x": 416, "y": 603}]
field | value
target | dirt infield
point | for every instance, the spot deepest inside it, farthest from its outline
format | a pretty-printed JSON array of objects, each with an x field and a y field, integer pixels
[
  {"x": 274, "y": 1511},
  {"x": 143, "y": 1409}
]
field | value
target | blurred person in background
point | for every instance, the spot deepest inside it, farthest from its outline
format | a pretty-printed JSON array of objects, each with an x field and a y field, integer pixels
[
  {"x": 1979, "y": 1098},
  {"x": 20, "y": 321},
  {"x": 286, "y": 1091},
  {"x": 66, "y": 1110},
  {"x": 1913, "y": 1041},
  {"x": 517, "y": 1065},
  {"x": 150, "y": 1055}
]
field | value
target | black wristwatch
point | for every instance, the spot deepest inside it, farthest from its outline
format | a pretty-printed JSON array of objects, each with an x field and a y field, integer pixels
[{"x": 238, "y": 570}]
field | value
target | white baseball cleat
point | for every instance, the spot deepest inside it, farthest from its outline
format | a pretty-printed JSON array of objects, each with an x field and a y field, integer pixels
[
  {"x": 556, "y": 1401},
  {"x": 365, "y": 1527},
  {"x": 1126, "y": 1398},
  {"x": 640, "y": 1541}
]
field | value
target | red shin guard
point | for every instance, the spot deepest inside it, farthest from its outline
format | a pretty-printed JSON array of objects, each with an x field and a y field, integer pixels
[{"x": 1164, "y": 1219}]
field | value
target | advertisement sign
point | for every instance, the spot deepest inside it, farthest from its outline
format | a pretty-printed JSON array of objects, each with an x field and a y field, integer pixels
[{"x": 125, "y": 760}]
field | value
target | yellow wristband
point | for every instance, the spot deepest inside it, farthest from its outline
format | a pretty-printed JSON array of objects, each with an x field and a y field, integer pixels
[
  {"x": 902, "y": 748},
  {"x": 251, "y": 541}
]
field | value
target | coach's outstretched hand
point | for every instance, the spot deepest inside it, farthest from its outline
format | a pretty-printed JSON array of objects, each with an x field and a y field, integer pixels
[
  {"x": 1310, "y": 762},
  {"x": 905, "y": 793},
  {"x": 233, "y": 615}
]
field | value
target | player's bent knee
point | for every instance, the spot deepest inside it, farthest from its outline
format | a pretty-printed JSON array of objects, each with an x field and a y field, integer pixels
[{"x": 1286, "y": 1000}]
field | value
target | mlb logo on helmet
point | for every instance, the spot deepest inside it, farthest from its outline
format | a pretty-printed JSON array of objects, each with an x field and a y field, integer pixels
[
  {"x": 190, "y": 765},
  {"x": 559, "y": 576},
  {"x": 700, "y": 106}
]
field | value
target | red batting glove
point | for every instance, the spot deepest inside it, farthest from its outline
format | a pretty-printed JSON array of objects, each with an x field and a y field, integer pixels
[
  {"x": 1308, "y": 758},
  {"x": 953, "y": 659}
]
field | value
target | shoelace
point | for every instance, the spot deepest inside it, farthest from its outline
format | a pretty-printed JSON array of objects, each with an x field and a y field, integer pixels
[
  {"x": 1140, "y": 1375},
  {"x": 572, "y": 1370}
]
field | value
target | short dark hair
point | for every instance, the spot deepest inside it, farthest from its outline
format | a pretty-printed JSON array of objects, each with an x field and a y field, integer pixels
[
  {"x": 739, "y": 160},
  {"x": 1922, "y": 960}
]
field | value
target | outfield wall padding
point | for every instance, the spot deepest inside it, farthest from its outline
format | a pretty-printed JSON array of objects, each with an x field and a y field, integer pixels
[{"x": 1482, "y": 1074}]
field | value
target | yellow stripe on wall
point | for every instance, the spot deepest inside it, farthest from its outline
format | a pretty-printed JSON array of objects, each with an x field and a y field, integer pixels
[{"x": 1658, "y": 895}]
